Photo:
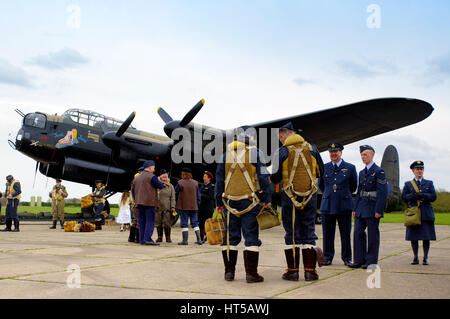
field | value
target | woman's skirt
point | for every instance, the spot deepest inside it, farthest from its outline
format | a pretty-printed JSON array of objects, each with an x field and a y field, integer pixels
[{"x": 425, "y": 231}]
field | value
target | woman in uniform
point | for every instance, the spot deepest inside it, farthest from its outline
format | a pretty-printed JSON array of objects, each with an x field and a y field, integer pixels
[
  {"x": 207, "y": 203},
  {"x": 424, "y": 196}
]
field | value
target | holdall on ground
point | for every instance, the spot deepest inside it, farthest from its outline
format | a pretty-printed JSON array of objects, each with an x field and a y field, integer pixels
[
  {"x": 268, "y": 218},
  {"x": 412, "y": 214},
  {"x": 86, "y": 201},
  {"x": 77, "y": 228},
  {"x": 87, "y": 227},
  {"x": 69, "y": 226},
  {"x": 215, "y": 230}
]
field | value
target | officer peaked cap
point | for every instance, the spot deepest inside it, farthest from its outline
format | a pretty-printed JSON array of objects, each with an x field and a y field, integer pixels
[
  {"x": 416, "y": 164},
  {"x": 334, "y": 146}
]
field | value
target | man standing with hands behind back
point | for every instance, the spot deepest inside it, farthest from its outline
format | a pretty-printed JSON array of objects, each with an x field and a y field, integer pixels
[{"x": 369, "y": 208}]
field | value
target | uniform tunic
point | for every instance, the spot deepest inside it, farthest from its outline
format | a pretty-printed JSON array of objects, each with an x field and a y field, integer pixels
[
  {"x": 426, "y": 230},
  {"x": 207, "y": 203},
  {"x": 11, "y": 207},
  {"x": 99, "y": 201},
  {"x": 371, "y": 180},
  {"x": 337, "y": 184},
  {"x": 58, "y": 202}
]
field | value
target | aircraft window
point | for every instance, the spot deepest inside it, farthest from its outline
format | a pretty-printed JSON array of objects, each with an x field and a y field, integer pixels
[
  {"x": 92, "y": 118},
  {"x": 35, "y": 120}
]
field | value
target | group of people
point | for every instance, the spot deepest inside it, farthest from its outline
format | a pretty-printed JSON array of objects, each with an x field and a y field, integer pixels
[
  {"x": 154, "y": 203},
  {"x": 242, "y": 191}
]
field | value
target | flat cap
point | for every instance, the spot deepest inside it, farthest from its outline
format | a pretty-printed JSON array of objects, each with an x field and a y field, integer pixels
[{"x": 148, "y": 163}]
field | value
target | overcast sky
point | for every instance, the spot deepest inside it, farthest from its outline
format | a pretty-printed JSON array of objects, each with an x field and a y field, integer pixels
[{"x": 251, "y": 61}]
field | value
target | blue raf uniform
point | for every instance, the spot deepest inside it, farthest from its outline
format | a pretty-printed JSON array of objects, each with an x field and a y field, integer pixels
[
  {"x": 425, "y": 231},
  {"x": 301, "y": 233},
  {"x": 337, "y": 184},
  {"x": 370, "y": 199},
  {"x": 236, "y": 183}
]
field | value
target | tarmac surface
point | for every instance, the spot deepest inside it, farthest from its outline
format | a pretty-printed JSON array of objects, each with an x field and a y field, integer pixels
[{"x": 34, "y": 264}]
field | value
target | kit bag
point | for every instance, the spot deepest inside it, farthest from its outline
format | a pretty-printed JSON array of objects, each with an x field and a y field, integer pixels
[
  {"x": 412, "y": 214},
  {"x": 268, "y": 218},
  {"x": 215, "y": 231}
]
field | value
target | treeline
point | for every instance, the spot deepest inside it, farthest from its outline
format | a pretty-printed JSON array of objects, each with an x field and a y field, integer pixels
[
  {"x": 441, "y": 205},
  {"x": 70, "y": 202}
]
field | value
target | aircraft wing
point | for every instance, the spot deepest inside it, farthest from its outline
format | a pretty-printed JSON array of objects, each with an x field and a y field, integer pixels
[{"x": 353, "y": 122}]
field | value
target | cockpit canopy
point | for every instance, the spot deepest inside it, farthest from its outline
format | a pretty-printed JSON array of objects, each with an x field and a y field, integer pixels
[{"x": 91, "y": 118}]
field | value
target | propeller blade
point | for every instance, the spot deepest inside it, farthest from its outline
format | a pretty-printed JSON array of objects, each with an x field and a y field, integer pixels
[
  {"x": 35, "y": 172},
  {"x": 192, "y": 113},
  {"x": 163, "y": 114},
  {"x": 125, "y": 125}
]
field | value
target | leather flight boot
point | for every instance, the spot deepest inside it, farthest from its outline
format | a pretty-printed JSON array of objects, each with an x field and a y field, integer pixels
[
  {"x": 251, "y": 266},
  {"x": 203, "y": 235},
  {"x": 61, "y": 223},
  {"x": 54, "y": 225},
  {"x": 136, "y": 234},
  {"x": 199, "y": 239},
  {"x": 185, "y": 238},
  {"x": 292, "y": 264},
  {"x": 160, "y": 234},
  {"x": 309, "y": 264},
  {"x": 230, "y": 264},
  {"x": 16, "y": 225},
  {"x": 167, "y": 233},
  {"x": 132, "y": 234},
  {"x": 8, "y": 224}
]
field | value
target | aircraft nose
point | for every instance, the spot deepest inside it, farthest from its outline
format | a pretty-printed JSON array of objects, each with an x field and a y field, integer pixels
[{"x": 19, "y": 138}]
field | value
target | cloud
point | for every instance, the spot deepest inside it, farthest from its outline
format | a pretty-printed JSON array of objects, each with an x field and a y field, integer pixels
[
  {"x": 366, "y": 69},
  {"x": 436, "y": 72},
  {"x": 10, "y": 74},
  {"x": 410, "y": 148},
  {"x": 303, "y": 81},
  {"x": 64, "y": 58}
]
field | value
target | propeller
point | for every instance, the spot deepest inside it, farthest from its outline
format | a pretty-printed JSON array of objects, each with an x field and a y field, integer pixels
[
  {"x": 35, "y": 173},
  {"x": 171, "y": 124},
  {"x": 113, "y": 139}
]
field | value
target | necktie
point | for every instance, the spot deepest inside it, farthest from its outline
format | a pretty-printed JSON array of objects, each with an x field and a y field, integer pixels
[
  {"x": 335, "y": 167},
  {"x": 365, "y": 170}
]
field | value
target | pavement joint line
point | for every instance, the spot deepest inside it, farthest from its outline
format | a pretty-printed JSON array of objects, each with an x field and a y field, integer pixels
[
  {"x": 416, "y": 273},
  {"x": 94, "y": 266},
  {"x": 312, "y": 282},
  {"x": 133, "y": 288}
]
